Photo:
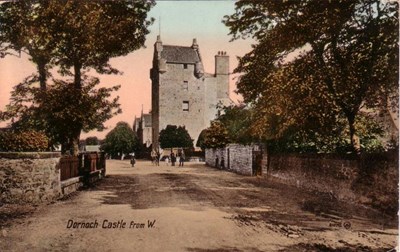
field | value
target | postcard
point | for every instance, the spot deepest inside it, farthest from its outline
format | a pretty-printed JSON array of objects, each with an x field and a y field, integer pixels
[{"x": 199, "y": 125}]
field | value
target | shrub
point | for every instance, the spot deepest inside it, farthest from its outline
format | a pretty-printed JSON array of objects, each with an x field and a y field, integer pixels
[{"x": 23, "y": 141}]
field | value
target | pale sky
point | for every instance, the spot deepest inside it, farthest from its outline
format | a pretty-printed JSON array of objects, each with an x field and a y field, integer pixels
[{"x": 181, "y": 21}]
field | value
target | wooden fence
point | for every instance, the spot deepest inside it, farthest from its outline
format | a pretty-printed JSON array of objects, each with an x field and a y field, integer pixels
[{"x": 74, "y": 166}]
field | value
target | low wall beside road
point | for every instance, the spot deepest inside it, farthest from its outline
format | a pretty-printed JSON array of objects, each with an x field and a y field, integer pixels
[
  {"x": 324, "y": 173},
  {"x": 32, "y": 177},
  {"x": 238, "y": 158},
  {"x": 370, "y": 179},
  {"x": 43, "y": 177}
]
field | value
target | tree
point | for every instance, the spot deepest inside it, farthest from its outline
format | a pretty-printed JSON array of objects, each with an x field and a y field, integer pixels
[
  {"x": 57, "y": 110},
  {"x": 92, "y": 141},
  {"x": 234, "y": 121},
  {"x": 237, "y": 120},
  {"x": 174, "y": 136},
  {"x": 349, "y": 59},
  {"x": 120, "y": 140},
  {"x": 29, "y": 27},
  {"x": 200, "y": 139},
  {"x": 74, "y": 35},
  {"x": 215, "y": 136}
]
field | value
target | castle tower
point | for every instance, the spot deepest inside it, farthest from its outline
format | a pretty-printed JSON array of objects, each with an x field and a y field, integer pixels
[{"x": 182, "y": 93}]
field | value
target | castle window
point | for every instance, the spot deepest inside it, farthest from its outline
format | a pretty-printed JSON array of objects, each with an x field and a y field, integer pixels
[
  {"x": 185, "y": 105},
  {"x": 185, "y": 85},
  {"x": 184, "y": 66}
]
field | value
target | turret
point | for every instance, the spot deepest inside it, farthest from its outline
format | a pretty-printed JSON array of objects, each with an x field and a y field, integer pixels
[
  {"x": 158, "y": 46},
  {"x": 158, "y": 62},
  {"x": 198, "y": 68}
]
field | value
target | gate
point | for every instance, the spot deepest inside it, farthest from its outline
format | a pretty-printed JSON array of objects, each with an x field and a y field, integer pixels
[{"x": 257, "y": 157}]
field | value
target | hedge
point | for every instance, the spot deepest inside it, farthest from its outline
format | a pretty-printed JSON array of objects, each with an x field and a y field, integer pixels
[{"x": 23, "y": 141}]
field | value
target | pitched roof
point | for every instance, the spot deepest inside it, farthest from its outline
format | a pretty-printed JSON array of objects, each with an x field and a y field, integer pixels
[{"x": 179, "y": 54}]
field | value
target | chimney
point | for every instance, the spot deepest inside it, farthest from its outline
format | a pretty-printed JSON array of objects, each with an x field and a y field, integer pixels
[
  {"x": 221, "y": 63},
  {"x": 194, "y": 44}
]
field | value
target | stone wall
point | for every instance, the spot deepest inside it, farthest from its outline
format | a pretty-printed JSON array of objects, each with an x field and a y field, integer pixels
[
  {"x": 324, "y": 173},
  {"x": 29, "y": 177},
  {"x": 212, "y": 154},
  {"x": 237, "y": 158},
  {"x": 371, "y": 179},
  {"x": 240, "y": 159}
]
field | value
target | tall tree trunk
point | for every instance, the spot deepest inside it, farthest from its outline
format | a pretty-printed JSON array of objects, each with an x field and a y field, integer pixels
[
  {"x": 74, "y": 140},
  {"x": 77, "y": 75},
  {"x": 64, "y": 148},
  {"x": 355, "y": 143},
  {"x": 349, "y": 112},
  {"x": 41, "y": 66}
]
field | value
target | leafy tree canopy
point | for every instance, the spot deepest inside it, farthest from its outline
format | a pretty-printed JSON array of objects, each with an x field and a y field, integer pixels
[
  {"x": 120, "y": 140},
  {"x": 74, "y": 33},
  {"x": 92, "y": 141},
  {"x": 237, "y": 120},
  {"x": 347, "y": 59},
  {"x": 215, "y": 136},
  {"x": 73, "y": 36},
  {"x": 200, "y": 139},
  {"x": 175, "y": 136},
  {"x": 297, "y": 140},
  {"x": 58, "y": 110}
]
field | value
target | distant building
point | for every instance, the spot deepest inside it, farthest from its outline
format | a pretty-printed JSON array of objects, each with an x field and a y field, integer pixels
[
  {"x": 143, "y": 127},
  {"x": 182, "y": 93},
  {"x": 92, "y": 148}
]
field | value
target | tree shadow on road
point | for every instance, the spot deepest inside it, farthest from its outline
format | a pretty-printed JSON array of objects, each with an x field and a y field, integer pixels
[
  {"x": 151, "y": 190},
  {"x": 282, "y": 204}
]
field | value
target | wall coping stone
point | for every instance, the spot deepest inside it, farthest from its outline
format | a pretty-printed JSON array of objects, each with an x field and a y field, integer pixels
[
  {"x": 71, "y": 181},
  {"x": 29, "y": 155}
]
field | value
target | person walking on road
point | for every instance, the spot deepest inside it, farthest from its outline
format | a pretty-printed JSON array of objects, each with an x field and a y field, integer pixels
[
  {"x": 153, "y": 156},
  {"x": 181, "y": 158},
  {"x": 173, "y": 159},
  {"x": 133, "y": 161},
  {"x": 158, "y": 158}
]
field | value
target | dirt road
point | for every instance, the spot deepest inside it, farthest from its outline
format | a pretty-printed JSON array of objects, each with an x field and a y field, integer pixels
[{"x": 196, "y": 208}]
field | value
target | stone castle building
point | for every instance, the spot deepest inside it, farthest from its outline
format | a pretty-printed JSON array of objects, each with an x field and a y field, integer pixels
[
  {"x": 182, "y": 93},
  {"x": 142, "y": 127}
]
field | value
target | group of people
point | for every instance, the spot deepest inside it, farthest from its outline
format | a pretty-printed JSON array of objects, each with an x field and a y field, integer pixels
[
  {"x": 180, "y": 156},
  {"x": 172, "y": 157},
  {"x": 155, "y": 157}
]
